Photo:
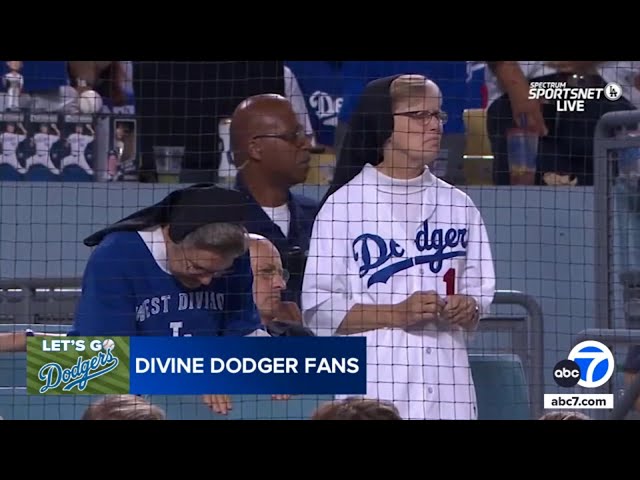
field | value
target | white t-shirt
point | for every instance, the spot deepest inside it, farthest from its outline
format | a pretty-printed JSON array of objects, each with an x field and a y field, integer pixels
[
  {"x": 378, "y": 240},
  {"x": 280, "y": 216}
]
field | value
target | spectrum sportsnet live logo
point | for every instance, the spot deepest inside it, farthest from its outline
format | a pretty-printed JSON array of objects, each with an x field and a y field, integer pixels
[{"x": 572, "y": 99}]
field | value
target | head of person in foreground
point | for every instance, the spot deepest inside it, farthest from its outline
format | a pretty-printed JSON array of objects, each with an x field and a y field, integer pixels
[
  {"x": 566, "y": 415},
  {"x": 123, "y": 407},
  {"x": 357, "y": 409}
]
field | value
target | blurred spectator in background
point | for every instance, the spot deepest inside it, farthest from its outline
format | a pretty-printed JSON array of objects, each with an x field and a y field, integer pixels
[
  {"x": 123, "y": 407},
  {"x": 181, "y": 104},
  {"x": 357, "y": 409},
  {"x": 321, "y": 85},
  {"x": 108, "y": 78},
  {"x": 565, "y": 155},
  {"x": 271, "y": 153}
]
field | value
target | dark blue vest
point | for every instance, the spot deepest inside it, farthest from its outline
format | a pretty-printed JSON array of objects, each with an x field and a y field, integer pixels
[{"x": 294, "y": 247}]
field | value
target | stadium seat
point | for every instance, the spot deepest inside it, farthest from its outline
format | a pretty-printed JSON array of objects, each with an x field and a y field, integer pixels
[
  {"x": 9, "y": 174},
  {"x": 74, "y": 173},
  {"x": 40, "y": 173},
  {"x": 501, "y": 387}
]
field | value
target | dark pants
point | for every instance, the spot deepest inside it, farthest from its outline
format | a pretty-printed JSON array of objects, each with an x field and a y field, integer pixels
[
  {"x": 567, "y": 149},
  {"x": 181, "y": 103}
]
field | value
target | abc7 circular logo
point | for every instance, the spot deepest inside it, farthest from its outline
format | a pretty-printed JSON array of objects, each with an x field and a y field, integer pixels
[{"x": 590, "y": 364}]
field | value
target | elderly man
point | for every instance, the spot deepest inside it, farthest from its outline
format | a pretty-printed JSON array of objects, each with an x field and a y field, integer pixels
[
  {"x": 269, "y": 280},
  {"x": 280, "y": 318}
]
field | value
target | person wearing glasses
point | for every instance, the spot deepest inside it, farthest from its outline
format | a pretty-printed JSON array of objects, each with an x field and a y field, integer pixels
[
  {"x": 269, "y": 281},
  {"x": 400, "y": 257},
  {"x": 271, "y": 151},
  {"x": 180, "y": 268}
]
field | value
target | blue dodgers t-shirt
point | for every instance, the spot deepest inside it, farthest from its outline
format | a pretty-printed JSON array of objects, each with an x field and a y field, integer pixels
[{"x": 126, "y": 292}]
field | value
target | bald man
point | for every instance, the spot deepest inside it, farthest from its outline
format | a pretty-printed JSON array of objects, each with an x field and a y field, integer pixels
[
  {"x": 269, "y": 281},
  {"x": 271, "y": 152},
  {"x": 280, "y": 318}
]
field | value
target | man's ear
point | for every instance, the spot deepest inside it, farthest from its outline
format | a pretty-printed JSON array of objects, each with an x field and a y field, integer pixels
[{"x": 254, "y": 150}]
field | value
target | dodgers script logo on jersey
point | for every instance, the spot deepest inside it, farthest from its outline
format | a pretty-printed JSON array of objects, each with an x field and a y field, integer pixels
[{"x": 374, "y": 252}]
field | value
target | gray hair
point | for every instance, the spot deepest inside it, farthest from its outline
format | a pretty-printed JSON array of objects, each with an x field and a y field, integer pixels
[{"x": 226, "y": 239}]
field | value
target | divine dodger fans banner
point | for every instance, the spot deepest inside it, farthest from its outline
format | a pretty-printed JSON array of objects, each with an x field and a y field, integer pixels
[{"x": 196, "y": 365}]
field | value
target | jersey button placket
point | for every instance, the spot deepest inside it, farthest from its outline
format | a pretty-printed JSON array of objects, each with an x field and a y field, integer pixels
[{"x": 428, "y": 351}]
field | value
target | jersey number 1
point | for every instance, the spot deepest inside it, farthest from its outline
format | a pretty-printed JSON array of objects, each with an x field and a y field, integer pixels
[{"x": 450, "y": 281}]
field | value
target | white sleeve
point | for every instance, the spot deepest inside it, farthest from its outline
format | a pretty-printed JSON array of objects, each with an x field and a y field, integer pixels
[
  {"x": 478, "y": 278},
  {"x": 294, "y": 94},
  {"x": 326, "y": 298}
]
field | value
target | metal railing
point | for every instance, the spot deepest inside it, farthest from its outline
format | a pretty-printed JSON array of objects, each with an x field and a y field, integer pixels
[
  {"x": 29, "y": 291},
  {"x": 533, "y": 348},
  {"x": 609, "y": 136}
]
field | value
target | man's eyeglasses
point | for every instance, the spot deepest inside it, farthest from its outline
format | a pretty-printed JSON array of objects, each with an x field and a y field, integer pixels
[
  {"x": 269, "y": 273},
  {"x": 195, "y": 269},
  {"x": 425, "y": 115},
  {"x": 297, "y": 138}
]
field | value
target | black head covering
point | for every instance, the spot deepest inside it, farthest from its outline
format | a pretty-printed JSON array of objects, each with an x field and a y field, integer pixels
[
  {"x": 184, "y": 210},
  {"x": 370, "y": 126}
]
